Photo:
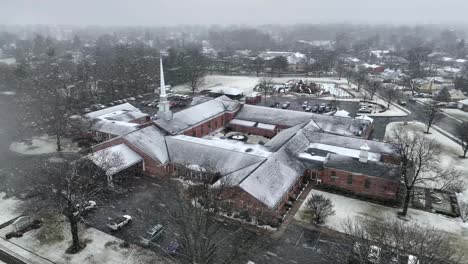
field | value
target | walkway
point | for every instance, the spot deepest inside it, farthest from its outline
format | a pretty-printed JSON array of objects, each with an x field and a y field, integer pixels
[{"x": 290, "y": 216}]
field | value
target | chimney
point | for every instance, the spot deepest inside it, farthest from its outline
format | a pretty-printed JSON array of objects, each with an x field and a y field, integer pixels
[{"x": 364, "y": 154}]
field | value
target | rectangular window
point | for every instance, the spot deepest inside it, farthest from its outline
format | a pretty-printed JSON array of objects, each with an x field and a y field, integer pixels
[
  {"x": 350, "y": 179},
  {"x": 367, "y": 184},
  {"x": 333, "y": 177}
]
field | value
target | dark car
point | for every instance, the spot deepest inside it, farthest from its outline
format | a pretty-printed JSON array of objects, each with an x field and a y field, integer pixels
[
  {"x": 285, "y": 105},
  {"x": 315, "y": 108},
  {"x": 275, "y": 104},
  {"x": 321, "y": 108},
  {"x": 308, "y": 109}
]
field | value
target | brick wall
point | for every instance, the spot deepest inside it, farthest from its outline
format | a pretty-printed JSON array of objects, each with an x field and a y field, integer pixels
[
  {"x": 377, "y": 187},
  {"x": 253, "y": 130}
]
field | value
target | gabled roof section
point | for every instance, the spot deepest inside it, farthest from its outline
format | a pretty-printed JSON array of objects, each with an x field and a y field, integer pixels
[
  {"x": 194, "y": 115},
  {"x": 150, "y": 140},
  {"x": 115, "y": 159},
  {"x": 116, "y": 108},
  {"x": 116, "y": 128},
  {"x": 330, "y": 124},
  {"x": 219, "y": 155},
  {"x": 236, "y": 177}
]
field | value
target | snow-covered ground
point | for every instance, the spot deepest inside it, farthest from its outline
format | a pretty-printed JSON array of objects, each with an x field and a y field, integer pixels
[
  {"x": 394, "y": 110},
  {"x": 456, "y": 113},
  {"x": 353, "y": 209},
  {"x": 247, "y": 83},
  {"x": 42, "y": 145},
  {"x": 8, "y": 208},
  {"x": 451, "y": 151},
  {"x": 101, "y": 247}
]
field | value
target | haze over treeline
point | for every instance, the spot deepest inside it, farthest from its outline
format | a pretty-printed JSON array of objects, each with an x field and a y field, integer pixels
[{"x": 175, "y": 12}]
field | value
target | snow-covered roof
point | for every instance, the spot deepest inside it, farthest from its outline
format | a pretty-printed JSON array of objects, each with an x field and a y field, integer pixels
[
  {"x": 348, "y": 142},
  {"x": 342, "y": 113},
  {"x": 242, "y": 123},
  {"x": 266, "y": 126},
  {"x": 221, "y": 155},
  {"x": 464, "y": 102},
  {"x": 371, "y": 168},
  {"x": 108, "y": 110},
  {"x": 274, "y": 116},
  {"x": 197, "y": 114},
  {"x": 226, "y": 90},
  {"x": 115, "y": 159},
  {"x": 150, "y": 140},
  {"x": 236, "y": 177},
  {"x": 365, "y": 117},
  {"x": 283, "y": 137},
  {"x": 343, "y": 151},
  {"x": 123, "y": 115},
  {"x": 116, "y": 128},
  {"x": 272, "y": 180}
]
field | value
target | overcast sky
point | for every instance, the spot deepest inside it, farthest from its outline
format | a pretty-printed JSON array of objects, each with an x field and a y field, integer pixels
[{"x": 173, "y": 12}]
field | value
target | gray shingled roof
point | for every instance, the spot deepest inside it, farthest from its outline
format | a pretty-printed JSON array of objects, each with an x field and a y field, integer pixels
[
  {"x": 289, "y": 118},
  {"x": 371, "y": 168},
  {"x": 216, "y": 155},
  {"x": 150, "y": 140},
  {"x": 194, "y": 115}
]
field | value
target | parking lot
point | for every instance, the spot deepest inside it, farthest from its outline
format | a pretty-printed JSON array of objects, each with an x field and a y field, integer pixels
[{"x": 296, "y": 103}]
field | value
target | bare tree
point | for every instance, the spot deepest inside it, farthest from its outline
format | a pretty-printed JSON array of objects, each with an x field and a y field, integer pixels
[
  {"x": 430, "y": 115},
  {"x": 319, "y": 208},
  {"x": 462, "y": 133},
  {"x": 196, "y": 65},
  {"x": 266, "y": 87},
  {"x": 68, "y": 187},
  {"x": 419, "y": 157},
  {"x": 395, "y": 241},
  {"x": 360, "y": 78},
  {"x": 195, "y": 217},
  {"x": 373, "y": 87},
  {"x": 390, "y": 94}
]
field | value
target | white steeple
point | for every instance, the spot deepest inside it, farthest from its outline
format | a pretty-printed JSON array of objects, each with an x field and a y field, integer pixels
[{"x": 164, "y": 111}]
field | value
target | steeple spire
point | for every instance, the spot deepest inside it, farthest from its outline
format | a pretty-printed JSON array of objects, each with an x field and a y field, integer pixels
[
  {"x": 163, "y": 85},
  {"x": 164, "y": 111}
]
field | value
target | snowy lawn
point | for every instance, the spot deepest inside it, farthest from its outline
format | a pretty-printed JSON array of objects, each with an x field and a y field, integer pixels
[
  {"x": 8, "y": 208},
  {"x": 42, "y": 145},
  {"x": 247, "y": 83},
  {"x": 456, "y": 113},
  {"x": 353, "y": 209},
  {"x": 451, "y": 151},
  {"x": 51, "y": 242}
]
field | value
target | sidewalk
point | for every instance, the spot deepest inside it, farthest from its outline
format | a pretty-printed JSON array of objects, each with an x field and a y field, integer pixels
[
  {"x": 290, "y": 216},
  {"x": 21, "y": 254}
]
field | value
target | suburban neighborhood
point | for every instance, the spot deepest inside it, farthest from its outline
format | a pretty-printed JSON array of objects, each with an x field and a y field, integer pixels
[{"x": 269, "y": 143}]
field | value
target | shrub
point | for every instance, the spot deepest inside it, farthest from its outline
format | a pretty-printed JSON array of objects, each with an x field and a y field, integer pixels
[
  {"x": 244, "y": 214},
  {"x": 464, "y": 212},
  {"x": 319, "y": 208}
]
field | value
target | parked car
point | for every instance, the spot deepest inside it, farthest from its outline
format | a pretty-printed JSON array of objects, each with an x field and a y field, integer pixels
[
  {"x": 304, "y": 106},
  {"x": 131, "y": 98},
  {"x": 286, "y": 105},
  {"x": 120, "y": 222},
  {"x": 321, "y": 108},
  {"x": 275, "y": 104},
  {"x": 452, "y": 105},
  {"x": 315, "y": 108},
  {"x": 152, "y": 234},
  {"x": 365, "y": 110},
  {"x": 308, "y": 109},
  {"x": 401, "y": 102},
  {"x": 413, "y": 100},
  {"x": 172, "y": 247},
  {"x": 87, "y": 110},
  {"x": 88, "y": 206},
  {"x": 140, "y": 96}
]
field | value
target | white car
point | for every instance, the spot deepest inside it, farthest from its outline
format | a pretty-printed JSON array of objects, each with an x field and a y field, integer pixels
[
  {"x": 88, "y": 206},
  {"x": 120, "y": 222}
]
